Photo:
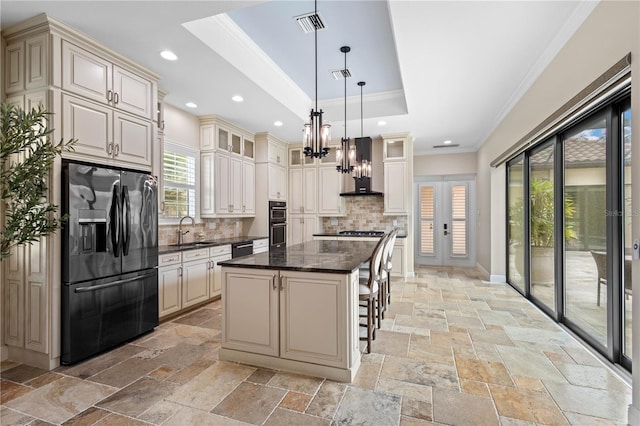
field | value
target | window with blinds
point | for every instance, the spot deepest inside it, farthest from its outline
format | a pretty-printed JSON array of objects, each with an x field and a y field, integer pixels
[
  {"x": 179, "y": 178},
  {"x": 427, "y": 218},
  {"x": 459, "y": 220}
]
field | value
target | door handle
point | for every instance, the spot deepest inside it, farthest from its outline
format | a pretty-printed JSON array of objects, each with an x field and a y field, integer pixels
[
  {"x": 273, "y": 281},
  {"x": 116, "y": 97},
  {"x": 445, "y": 230},
  {"x": 109, "y": 95}
]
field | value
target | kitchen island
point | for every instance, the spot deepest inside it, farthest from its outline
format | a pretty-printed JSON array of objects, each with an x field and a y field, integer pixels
[{"x": 295, "y": 308}]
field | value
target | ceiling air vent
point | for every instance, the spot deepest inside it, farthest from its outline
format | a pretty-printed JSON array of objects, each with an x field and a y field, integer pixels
[
  {"x": 309, "y": 22},
  {"x": 341, "y": 74},
  {"x": 451, "y": 145}
]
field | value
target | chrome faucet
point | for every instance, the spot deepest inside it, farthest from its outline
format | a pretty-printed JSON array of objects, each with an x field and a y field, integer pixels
[{"x": 182, "y": 234}]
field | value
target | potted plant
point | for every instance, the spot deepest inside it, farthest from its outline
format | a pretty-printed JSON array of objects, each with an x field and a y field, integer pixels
[
  {"x": 26, "y": 157},
  {"x": 541, "y": 229}
]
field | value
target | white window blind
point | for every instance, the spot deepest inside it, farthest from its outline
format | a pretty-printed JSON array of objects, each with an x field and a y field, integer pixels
[
  {"x": 427, "y": 218},
  {"x": 459, "y": 220},
  {"x": 179, "y": 178}
]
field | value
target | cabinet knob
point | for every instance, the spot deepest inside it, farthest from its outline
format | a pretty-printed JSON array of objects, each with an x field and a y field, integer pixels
[
  {"x": 116, "y": 97},
  {"x": 110, "y": 149},
  {"x": 117, "y": 150},
  {"x": 109, "y": 95}
]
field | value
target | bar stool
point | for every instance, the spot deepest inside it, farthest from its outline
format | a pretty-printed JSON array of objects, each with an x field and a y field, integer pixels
[
  {"x": 386, "y": 270},
  {"x": 369, "y": 291}
]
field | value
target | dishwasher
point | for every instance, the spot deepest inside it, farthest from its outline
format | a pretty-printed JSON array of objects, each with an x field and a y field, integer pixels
[{"x": 243, "y": 248}]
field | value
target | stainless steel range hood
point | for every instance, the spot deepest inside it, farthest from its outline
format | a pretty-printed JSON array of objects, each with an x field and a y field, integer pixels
[{"x": 363, "y": 185}]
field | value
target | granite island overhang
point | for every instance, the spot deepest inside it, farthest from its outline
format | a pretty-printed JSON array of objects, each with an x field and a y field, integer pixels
[{"x": 295, "y": 308}]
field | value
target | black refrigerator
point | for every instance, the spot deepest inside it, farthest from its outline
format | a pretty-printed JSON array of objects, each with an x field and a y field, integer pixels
[{"x": 109, "y": 258}]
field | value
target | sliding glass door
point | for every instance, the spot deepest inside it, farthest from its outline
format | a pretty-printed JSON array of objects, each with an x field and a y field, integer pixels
[
  {"x": 515, "y": 223},
  {"x": 569, "y": 243},
  {"x": 585, "y": 239},
  {"x": 542, "y": 224}
]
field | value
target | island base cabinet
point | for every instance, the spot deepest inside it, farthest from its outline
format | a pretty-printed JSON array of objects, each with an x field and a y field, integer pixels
[
  {"x": 313, "y": 317},
  {"x": 303, "y": 321},
  {"x": 250, "y": 320}
]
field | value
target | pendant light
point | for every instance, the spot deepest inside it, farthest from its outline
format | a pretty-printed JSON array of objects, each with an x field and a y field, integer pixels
[
  {"x": 346, "y": 153},
  {"x": 316, "y": 136},
  {"x": 362, "y": 169}
]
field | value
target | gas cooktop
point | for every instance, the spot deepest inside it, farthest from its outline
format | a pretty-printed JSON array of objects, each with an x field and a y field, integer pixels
[{"x": 363, "y": 233}]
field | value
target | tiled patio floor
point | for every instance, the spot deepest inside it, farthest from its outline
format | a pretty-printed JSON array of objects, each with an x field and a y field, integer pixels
[{"x": 453, "y": 350}]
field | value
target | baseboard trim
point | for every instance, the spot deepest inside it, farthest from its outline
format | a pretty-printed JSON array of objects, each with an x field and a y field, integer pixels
[
  {"x": 633, "y": 415},
  {"x": 498, "y": 279},
  {"x": 486, "y": 275},
  {"x": 4, "y": 353}
]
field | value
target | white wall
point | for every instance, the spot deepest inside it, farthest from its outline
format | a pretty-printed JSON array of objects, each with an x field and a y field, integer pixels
[
  {"x": 445, "y": 164},
  {"x": 606, "y": 36},
  {"x": 181, "y": 127}
]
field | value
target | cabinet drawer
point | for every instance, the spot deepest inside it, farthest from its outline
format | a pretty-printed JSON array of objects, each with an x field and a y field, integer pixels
[
  {"x": 169, "y": 259},
  {"x": 220, "y": 250},
  {"x": 257, "y": 244},
  {"x": 195, "y": 254}
]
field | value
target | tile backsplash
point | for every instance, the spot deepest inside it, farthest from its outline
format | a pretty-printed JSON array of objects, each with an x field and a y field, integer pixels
[
  {"x": 364, "y": 213},
  {"x": 207, "y": 229}
]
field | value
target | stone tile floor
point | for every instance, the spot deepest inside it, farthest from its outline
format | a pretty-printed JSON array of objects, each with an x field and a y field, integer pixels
[{"x": 453, "y": 349}]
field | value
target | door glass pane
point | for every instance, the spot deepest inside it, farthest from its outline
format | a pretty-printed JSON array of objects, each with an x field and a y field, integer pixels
[
  {"x": 223, "y": 139},
  {"x": 541, "y": 226},
  {"x": 459, "y": 220},
  {"x": 427, "y": 217},
  {"x": 515, "y": 230},
  {"x": 585, "y": 276},
  {"x": 235, "y": 143},
  {"x": 628, "y": 241}
]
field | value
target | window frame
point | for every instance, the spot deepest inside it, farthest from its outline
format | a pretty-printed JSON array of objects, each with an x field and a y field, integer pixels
[{"x": 175, "y": 147}]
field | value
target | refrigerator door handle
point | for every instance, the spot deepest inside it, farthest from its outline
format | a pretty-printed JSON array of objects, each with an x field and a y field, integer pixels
[
  {"x": 126, "y": 224},
  {"x": 113, "y": 284},
  {"x": 114, "y": 216}
]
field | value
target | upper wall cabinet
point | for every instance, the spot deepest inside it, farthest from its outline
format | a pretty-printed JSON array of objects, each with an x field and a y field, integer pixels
[
  {"x": 94, "y": 77},
  {"x": 26, "y": 64},
  {"x": 395, "y": 148}
]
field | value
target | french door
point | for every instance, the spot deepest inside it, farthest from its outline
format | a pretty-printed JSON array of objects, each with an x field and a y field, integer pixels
[{"x": 445, "y": 223}]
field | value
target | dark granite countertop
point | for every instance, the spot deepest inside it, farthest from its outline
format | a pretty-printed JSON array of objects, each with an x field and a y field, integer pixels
[
  {"x": 330, "y": 234},
  {"x": 206, "y": 244},
  {"x": 334, "y": 257}
]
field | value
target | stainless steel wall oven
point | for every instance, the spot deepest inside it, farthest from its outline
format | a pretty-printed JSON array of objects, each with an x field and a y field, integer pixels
[{"x": 277, "y": 224}]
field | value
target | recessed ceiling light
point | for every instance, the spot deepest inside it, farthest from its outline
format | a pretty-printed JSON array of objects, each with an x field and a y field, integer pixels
[
  {"x": 382, "y": 123},
  {"x": 237, "y": 98},
  {"x": 191, "y": 105},
  {"x": 447, "y": 142},
  {"x": 277, "y": 123},
  {"x": 168, "y": 55}
]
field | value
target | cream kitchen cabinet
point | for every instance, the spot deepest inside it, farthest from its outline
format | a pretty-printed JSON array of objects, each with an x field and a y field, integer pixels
[
  {"x": 228, "y": 185},
  {"x": 94, "y": 77},
  {"x": 277, "y": 182},
  {"x": 217, "y": 254},
  {"x": 26, "y": 64},
  {"x": 303, "y": 187},
  {"x": 105, "y": 134},
  {"x": 227, "y": 140},
  {"x": 25, "y": 298},
  {"x": 169, "y": 284},
  {"x": 396, "y": 189},
  {"x": 261, "y": 245},
  {"x": 330, "y": 203},
  {"x": 195, "y": 279},
  {"x": 248, "y": 188},
  {"x": 277, "y": 153},
  {"x": 301, "y": 228},
  {"x": 276, "y": 313}
]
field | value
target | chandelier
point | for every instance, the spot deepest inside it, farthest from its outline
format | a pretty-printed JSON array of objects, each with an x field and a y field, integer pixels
[
  {"x": 346, "y": 153},
  {"x": 363, "y": 168},
  {"x": 316, "y": 136}
]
